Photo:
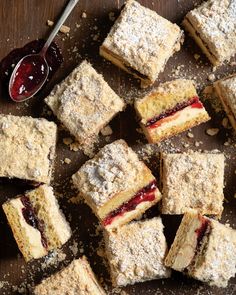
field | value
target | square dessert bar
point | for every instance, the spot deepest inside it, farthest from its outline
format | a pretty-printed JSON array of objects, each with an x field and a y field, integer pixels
[
  {"x": 192, "y": 180},
  {"x": 141, "y": 42},
  {"x": 204, "y": 249},
  {"x": 213, "y": 27},
  {"x": 37, "y": 223},
  {"x": 27, "y": 148},
  {"x": 136, "y": 252},
  {"x": 117, "y": 185},
  {"x": 226, "y": 91},
  {"x": 171, "y": 108},
  {"x": 84, "y": 103},
  {"x": 76, "y": 278}
]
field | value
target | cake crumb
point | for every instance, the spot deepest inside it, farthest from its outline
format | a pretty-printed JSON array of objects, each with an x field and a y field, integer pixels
[
  {"x": 67, "y": 140},
  {"x": 106, "y": 131},
  {"x": 211, "y": 77},
  {"x": 63, "y": 29},
  {"x": 196, "y": 56},
  {"x": 67, "y": 160},
  {"x": 84, "y": 15},
  {"x": 212, "y": 131},
  {"x": 190, "y": 135},
  {"x": 111, "y": 16}
]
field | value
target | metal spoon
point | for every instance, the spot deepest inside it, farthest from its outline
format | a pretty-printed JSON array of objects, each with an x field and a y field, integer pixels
[{"x": 34, "y": 68}]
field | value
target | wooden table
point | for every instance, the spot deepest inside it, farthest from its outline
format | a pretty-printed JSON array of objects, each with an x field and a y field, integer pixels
[{"x": 24, "y": 20}]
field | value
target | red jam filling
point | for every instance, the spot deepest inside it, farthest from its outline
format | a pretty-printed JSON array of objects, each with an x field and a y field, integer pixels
[
  {"x": 158, "y": 120},
  {"x": 146, "y": 194},
  {"x": 32, "y": 219},
  {"x": 201, "y": 231}
]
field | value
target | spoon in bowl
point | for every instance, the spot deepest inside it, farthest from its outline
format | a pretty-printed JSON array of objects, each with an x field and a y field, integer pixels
[{"x": 31, "y": 72}]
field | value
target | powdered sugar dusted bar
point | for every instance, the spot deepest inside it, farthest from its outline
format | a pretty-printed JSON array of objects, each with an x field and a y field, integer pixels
[
  {"x": 171, "y": 108},
  {"x": 141, "y": 42},
  {"x": 76, "y": 278},
  {"x": 213, "y": 27},
  {"x": 84, "y": 103},
  {"x": 117, "y": 185},
  {"x": 204, "y": 249},
  {"x": 37, "y": 223},
  {"x": 27, "y": 148},
  {"x": 136, "y": 252},
  {"x": 226, "y": 91},
  {"x": 192, "y": 180}
]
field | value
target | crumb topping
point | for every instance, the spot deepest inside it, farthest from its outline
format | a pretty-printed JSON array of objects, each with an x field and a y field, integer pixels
[
  {"x": 143, "y": 39},
  {"x": 114, "y": 169},
  {"x": 136, "y": 252}
]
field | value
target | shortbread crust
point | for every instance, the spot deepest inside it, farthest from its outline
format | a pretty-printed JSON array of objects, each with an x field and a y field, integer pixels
[
  {"x": 192, "y": 180},
  {"x": 204, "y": 249},
  {"x": 111, "y": 179},
  {"x": 226, "y": 91},
  {"x": 213, "y": 27},
  {"x": 76, "y": 278},
  {"x": 27, "y": 148},
  {"x": 136, "y": 252},
  {"x": 141, "y": 42},
  {"x": 45, "y": 227},
  {"x": 84, "y": 103},
  {"x": 178, "y": 95}
]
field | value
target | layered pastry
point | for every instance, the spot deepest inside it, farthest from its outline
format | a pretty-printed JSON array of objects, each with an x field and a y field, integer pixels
[
  {"x": 76, "y": 278},
  {"x": 27, "y": 148},
  {"x": 136, "y": 252},
  {"x": 84, "y": 103},
  {"x": 213, "y": 27},
  {"x": 37, "y": 223},
  {"x": 141, "y": 42},
  {"x": 192, "y": 180},
  {"x": 171, "y": 108},
  {"x": 204, "y": 249},
  {"x": 117, "y": 185},
  {"x": 226, "y": 91}
]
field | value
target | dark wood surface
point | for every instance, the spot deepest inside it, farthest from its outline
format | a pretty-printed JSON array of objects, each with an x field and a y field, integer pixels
[{"x": 24, "y": 20}]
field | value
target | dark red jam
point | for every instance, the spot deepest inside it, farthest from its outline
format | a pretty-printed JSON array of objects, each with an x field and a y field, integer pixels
[
  {"x": 53, "y": 57},
  {"x": 194, "y": 103},
  {"x": 28, "y": 78},
  {"x": 32, "y": 219},
  {"x": 201, "y": 231},
  {"x": 146, "y": 194}
]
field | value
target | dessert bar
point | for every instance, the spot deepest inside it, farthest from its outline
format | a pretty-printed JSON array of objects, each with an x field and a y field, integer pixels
[
  {"x": 117, "y": 185},
  {"x": 204, "y": 249},
  {"x": 171, "y": 108},
  {"x": 141, "y": 42},
  {"x": 213, "y": 27},
  {"x": 84, "y": 103},
  {"x": 136, "y": 252},
  {"x": 226, "y": 91},
  {"x": 27, "y": 148},
  {"x": 192, "y": 180},
  {"x": 37, "y": 223},
  {"x": 76, "y": 278}
]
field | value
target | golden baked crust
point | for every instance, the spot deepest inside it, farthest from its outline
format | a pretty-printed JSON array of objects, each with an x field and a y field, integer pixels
[
  {"x": 192, "y": 180},
  {"x": 56, "y": 230},
  {"x": 213, "y": 27},
  {"x": 226, "y": 91},
  {"x": 77, "y": 278},
  {"x": 84, "y": 103},
  {"x": 112, "y": 178},
  {"x": 163, "y": 99},
  {"x": 27, "y": 148},
  {"x": 204, "y": 249},
  {"x": 136, "y": 252},
  {"x": 141, "y": 42}
]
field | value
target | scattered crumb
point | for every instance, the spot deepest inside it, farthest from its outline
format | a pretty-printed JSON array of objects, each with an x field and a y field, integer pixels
[
  {"x": 212, "y": 131},
  {"x": 111, "y": 16},
  {"x": 84, "y": 15},
  {"x": 190, "y": 135},
  {"x": 211, "y": 77},
  {"x": 64, "y": 29},
  {"x": 67, "y": 140},
  {"x": 67, "y": 160},
  {"x": 106, "y": 131},
  {"x": 196, "y": 56}
]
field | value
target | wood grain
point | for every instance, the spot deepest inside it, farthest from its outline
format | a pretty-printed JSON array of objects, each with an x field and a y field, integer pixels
[{"x": 24, "y": 20}]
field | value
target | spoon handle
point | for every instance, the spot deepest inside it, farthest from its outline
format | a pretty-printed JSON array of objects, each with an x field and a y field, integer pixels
[{"x": 58, "y": 25}]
